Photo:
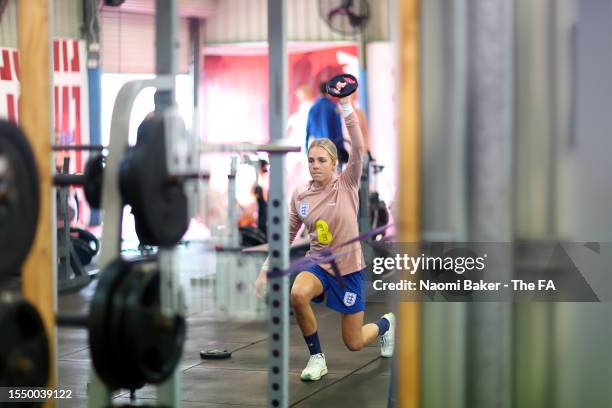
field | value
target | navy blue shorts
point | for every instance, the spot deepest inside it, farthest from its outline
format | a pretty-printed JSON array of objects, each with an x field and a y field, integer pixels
[{"x": 348, "y": 299}]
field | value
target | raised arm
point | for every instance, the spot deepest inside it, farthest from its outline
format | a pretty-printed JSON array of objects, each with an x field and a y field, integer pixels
[{"x": 354, "y": 167}]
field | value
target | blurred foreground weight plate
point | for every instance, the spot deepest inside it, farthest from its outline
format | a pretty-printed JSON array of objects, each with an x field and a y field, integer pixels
[
  {"x": 132, "y": 342},
  {"x": 18, "y": 198},
  {"x": 99, "y": 319},
  {"x": 24, "y": 358},
  {"x": 342, "y": 85},
  {"x": 160, "y": 337}
]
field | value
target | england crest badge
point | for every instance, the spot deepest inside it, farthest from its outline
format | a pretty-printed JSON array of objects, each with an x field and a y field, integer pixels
[
  {"x": 304, "y": 207},
  {"x": 349, "y": 299}
]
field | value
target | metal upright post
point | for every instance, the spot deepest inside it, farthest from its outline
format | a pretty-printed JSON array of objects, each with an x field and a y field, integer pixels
[
  {"x": 166, "y": 48},
  {"x": 490, "y": 107},
  {"x": 278, "y": 287},
  {"x": 365, "y": 223},
  {"x": 195, "y": 35},
  {"x": 63, "y": 239},
  {"x": 166, "y": 52},
  {"x": 364, "y": 194},
  {"x": 232, "y": 211}
]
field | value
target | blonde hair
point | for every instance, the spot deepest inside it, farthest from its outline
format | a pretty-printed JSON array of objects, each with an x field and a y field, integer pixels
[{"x": 326, "y": 145}]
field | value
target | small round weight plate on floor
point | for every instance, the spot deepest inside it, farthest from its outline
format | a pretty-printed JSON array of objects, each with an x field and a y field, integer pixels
[
  {"x": 215, "y": 354},
  {"x": 342, "y": 85}
]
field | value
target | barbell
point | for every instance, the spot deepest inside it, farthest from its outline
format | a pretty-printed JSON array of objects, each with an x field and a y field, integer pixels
[{"x": 158, "y": 201}]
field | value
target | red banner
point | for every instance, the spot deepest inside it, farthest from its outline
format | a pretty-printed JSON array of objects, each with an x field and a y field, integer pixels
[
  {"x": 9, "y": 83},
  {"x": 70, "y": 99},
  {"x": 71, "y": 111}
]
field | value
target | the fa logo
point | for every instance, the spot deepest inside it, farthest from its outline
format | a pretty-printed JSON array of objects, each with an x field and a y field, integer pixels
[
  {"x": 349, "y": 299},
  {"x": 546, "y": 285},
  {"x": 304, "y": 209}
]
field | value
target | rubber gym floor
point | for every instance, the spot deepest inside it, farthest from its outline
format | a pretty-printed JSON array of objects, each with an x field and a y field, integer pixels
[{"x": 355, "y": 378}]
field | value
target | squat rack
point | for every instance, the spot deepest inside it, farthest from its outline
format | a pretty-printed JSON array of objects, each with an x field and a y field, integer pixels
[{"x": 278, "y": 320}]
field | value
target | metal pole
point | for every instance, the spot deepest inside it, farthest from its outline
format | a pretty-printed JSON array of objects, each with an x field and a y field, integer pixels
[
  {"x": 232, "y": 211},
  {"x": 490, "y": 107},
  {"x": 196, "y": 72},
  {"x": 364, "y": 195},
  {"x": 94, "y": 80},
  {"x": 166, "y": 57},
  {"x": 278, "y": 288},
  {"x": 166, "y": 48}
]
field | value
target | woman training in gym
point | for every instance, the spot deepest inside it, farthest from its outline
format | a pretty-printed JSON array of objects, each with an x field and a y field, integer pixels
[{"x": 328, "y": 206}]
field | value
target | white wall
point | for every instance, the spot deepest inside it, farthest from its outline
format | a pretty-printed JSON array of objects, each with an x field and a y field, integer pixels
[
  {"x": 381, "y": 116},
  {"x": 128, "y": 43}
]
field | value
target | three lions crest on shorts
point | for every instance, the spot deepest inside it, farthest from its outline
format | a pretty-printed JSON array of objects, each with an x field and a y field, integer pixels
[{"x": 349, "y": 299}]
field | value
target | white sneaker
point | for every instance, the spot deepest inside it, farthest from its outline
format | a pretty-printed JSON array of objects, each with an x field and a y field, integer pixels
[
  {"x": 315, "y": 369},
  {"x": 387, "y": 340}
]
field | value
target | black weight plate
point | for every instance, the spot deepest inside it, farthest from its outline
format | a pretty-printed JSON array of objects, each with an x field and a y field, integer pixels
[
  {"x": 90, "y": 239},
  {"x": 143, "y": 233},
  {"x": 128, "y": 177},
  {"x": 24, "y": 360},
  {"x": 342, "y": 85},
  {"x": 94, "y": 174},
  {"x": 128, "y": 184},
  {"x": 19, "y": 198},
  {"x": 163, "y": 209},
  {"x": 100, "y": 334},
  {"x": 251, "y": 236},
  {"x": 82, "y": 250},
  {"x": 133, "y": 337},
  {"x": 160, "y": 338},
  {"x": 125, "y": 373},
  {"x": 158, "y": 202}
]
